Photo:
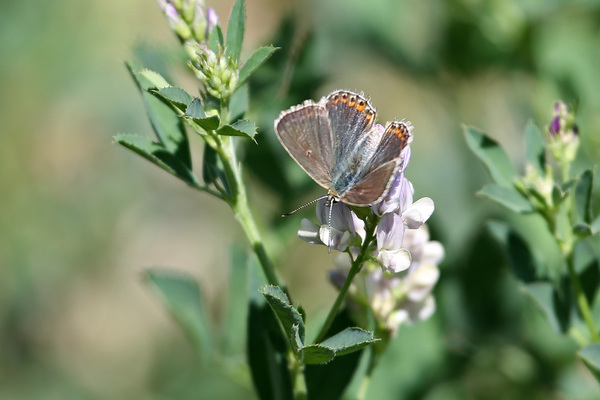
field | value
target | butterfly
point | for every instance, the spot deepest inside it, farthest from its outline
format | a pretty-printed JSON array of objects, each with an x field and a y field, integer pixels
[{"x": 337, "y": 143}]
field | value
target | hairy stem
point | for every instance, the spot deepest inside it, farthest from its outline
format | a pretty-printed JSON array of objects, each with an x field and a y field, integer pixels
[{"x": 241, "y": 209}]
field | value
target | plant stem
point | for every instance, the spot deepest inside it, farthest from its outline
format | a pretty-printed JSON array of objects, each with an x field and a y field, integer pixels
[
  {"x": 582, "y": 302},
  {"x": 239, "y": 204},
  {"x": 366, "y": 380},
  {"x": 356, "y": 265},
  {"x": 298, "y": 380}
]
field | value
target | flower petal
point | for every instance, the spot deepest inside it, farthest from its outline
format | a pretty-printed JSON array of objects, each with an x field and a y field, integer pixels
[
  {"x": 309, "y": 232},
  {"x": 417, "y": 213}
]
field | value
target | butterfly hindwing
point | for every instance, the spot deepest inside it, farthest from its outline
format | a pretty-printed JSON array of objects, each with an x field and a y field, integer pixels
[{"x": 381, "y": 167}]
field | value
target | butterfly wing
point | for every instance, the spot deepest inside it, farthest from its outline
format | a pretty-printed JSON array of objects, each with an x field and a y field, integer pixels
[
  {"x": 304, "y": 131},
  {"x": 381, "y": 168},
  {"x": 350, "y": 116}
]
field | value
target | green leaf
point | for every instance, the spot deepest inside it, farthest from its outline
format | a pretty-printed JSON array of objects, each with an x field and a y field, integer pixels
[
  {"x": 492, "y": 155},
  {"x": 181, "y": 296},
  {"x": 177, "y": 96},
  {"x": 215, "y": 39},
  {"x": 235, "y": 30},
  {"x": 195, "y": 111},
  {"x": 587, "y": 265},
  {"x": 526, "y": 265},
  {"x": 254, "y": 61},
  {"x": 590, "y": 355},
  {"x": 556, "y": 306},
  {"x": 237, "y": 312},
  {"x": 157, "y": 154},
  {"x": 165, "y": 121},
  {"x": 288, "y": 316},
  {"x": 266, "y": 348},
  {"x": 583, "y": 197},
  {"x": 317, "y": 354},
  {"x": 241, "y": 127},
  {"x": 146, "y": 79},
  {"x": 508, "y": 197},
  {"x": 238, "y": 103},
  {"x": 349, "y": 340},
  {"x": 535, "y": 153},
  {"x": 213, "y": 170},
  {"x": 329, "y": 381}
]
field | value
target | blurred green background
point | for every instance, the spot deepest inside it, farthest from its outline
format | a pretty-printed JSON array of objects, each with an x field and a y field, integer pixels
[{"x": 80, "y": 217}]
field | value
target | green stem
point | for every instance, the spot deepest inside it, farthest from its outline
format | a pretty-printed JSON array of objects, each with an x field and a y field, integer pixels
[
  {"x": 354, "y": 269},
  {"x": 366, "y": 379},
  {"x": 298, "y": 380},
  {"x": 239, "y": 204},
  {"x": 582, "y": 302}
]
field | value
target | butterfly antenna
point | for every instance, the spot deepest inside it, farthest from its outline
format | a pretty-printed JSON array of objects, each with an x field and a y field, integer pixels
[{"x": 307, "y": 204}]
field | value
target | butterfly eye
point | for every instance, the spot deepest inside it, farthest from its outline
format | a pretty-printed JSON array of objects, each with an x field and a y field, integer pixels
[
  {"x": 335, "y": 98},
  {"x": 344, "y": 97}
]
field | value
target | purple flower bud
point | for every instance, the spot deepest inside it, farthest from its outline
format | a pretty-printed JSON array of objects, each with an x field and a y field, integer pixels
[
  {"x": 212, "y": 20},
  {"x": 554, "y": 125}
]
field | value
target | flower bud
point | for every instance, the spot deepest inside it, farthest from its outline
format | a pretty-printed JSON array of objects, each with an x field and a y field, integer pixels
[
  {"x": 217, "y": 71},
  {"x": 563, "y": 134}
]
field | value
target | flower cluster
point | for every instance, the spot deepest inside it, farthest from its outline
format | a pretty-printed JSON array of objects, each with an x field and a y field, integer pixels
[
  {"x": 396, "y": 283},
  {"x": 217, "y": 71},
  {"x": 189, "y": 19}
]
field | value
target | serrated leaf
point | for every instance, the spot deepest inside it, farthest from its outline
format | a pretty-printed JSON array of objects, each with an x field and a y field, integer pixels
[
  {"x": 525, "y": 264},
  {"x": 266, "y": 348},
  {"x": 145, "y": 78},
  {"x": 176, "y": 95},
  {"x": 235, "y": 30},
  {"x": 492, "y": 155},
  {"x": 165, "y": 121},
  {"x": 181, "y": 297},
  {"x": 254, "y": 62},
  {"x": 238, "y": 103},
  {"x": 158, "y": 155},
  {"x": 508, "y": 197},
  {"x": 241, "y": 127},
  {"x": 317, "y": 354},
  {"x": 297, "y": 342},
  {"x": 349, "y": 340},
  {"x": 288, "y": 316},
  {"x": 583, "y": 197},
  {"x": 535, "y": 153},
  {"x": 329, "y": 381},
  {"x": 195, "y": 111},
  {"x": 215, "y": 39},
  {"x": 590, "y": 355}
]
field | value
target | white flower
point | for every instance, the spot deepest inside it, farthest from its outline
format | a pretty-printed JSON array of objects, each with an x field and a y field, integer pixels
[
  {"x": 418, "y": 213},
  {"x": 390, "y": 254},
  {"x": 345, "y": 227}
]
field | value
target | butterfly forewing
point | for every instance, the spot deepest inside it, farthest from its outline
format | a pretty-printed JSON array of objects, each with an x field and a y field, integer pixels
[
  {"x": 304, "y": 131},
  {"x": 350, "y": 116},
  {"x": 381, "y": 168}
]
